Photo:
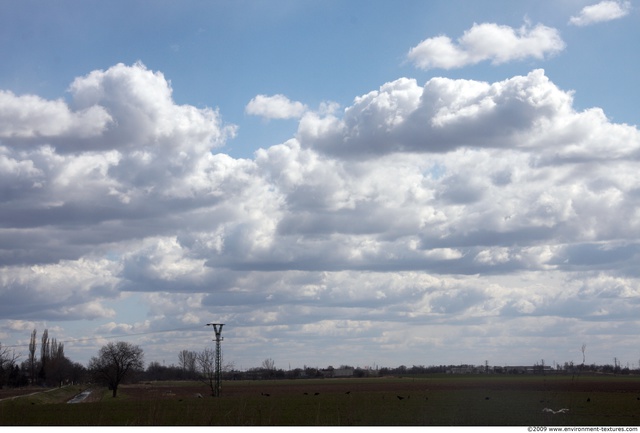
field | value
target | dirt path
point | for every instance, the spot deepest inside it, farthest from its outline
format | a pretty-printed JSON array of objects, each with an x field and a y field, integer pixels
[{"x": 26, "y": 395}]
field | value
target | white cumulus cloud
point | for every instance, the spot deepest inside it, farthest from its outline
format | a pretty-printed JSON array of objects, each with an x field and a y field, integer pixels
[
  {"x": 526, "y": 112},
  {"x": 604, "y": 11},
  {"x": 454, "y": 205},
  {"x": 487, "y": 41},
  {"x": 275, "y": 107},
  {"x": 29, "y": 116}
]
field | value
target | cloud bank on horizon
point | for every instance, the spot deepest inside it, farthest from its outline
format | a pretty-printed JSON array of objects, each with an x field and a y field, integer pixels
[{"x": 452, "y": 215}]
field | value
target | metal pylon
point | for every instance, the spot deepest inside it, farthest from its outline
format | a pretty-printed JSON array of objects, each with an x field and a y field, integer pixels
[{"x": 217, "y": 328}]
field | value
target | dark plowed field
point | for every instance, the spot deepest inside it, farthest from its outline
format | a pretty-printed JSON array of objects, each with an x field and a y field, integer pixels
[{"x": 432, "y": 400}]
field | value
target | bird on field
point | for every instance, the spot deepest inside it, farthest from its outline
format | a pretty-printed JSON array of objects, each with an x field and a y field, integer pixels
[
  {"x": 588, "y": 399},
  {"x": 348, "y": 392},
  {"x": 400, "y": 397},
  {"x": 487, "y": 398},
  {"x": 265, "y": 394},
  {"x": 563, "y": 410},
  {"x": 316, "y": 393}
]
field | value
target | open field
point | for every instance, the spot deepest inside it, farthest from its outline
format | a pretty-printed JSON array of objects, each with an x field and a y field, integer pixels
[{"x": 429, "y": 400}]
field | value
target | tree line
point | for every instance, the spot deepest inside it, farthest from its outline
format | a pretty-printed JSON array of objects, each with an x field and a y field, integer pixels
[
  {"x": 47, "y": 365},
  {"x": 114, "y": 364}
]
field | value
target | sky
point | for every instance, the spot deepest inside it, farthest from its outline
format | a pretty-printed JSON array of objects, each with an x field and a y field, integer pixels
[{"x": 361, "y": 183}]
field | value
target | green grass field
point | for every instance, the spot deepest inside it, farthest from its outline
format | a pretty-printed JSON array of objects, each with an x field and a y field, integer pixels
[{"x": 430, "y": 400}]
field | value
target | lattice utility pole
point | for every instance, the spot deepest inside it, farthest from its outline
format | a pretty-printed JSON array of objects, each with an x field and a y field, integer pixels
[{"x": 217, "y": 328}]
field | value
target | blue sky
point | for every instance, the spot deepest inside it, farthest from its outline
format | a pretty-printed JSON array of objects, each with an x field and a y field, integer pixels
[{"x": 339, "y": 182}]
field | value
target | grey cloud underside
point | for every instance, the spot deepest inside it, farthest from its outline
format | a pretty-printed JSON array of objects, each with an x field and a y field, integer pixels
[{"x": 441, "y": 117}]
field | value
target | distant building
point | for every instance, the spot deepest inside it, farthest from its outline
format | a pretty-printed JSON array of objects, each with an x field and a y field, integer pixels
[
  {"x": 338, "y": 372},
  {"x": 509, "y": 369},
  {"x": 463, "y": 369},
  {"x": 527, "y": 369}
]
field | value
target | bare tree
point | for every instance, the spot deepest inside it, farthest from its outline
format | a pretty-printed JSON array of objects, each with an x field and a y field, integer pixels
[
  {"x": 205, "y": 362},
  {"x": 44, "y": 355},
  {"x": 229, "y": 366},
  {"x": 187, "y": 361},
  {"x": 7, "y": 362},
  {"x": 31, "y": 362},
  {"x": 269, "y": 364},
  {"x": 44, "y": 345},
  {"x": 59, "y": 367},
  {"x": 206, "y": 365},
  {"x": 115, "y": 362}
]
